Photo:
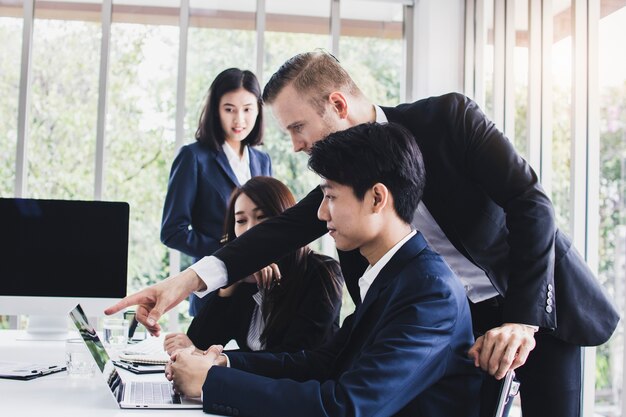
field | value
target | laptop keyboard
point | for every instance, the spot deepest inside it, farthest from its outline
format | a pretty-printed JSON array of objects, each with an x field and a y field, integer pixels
[{"x": 153, "y": 393}]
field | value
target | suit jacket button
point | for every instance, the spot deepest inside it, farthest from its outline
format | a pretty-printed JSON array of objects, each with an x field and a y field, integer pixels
[
  {"x": 229, "y": 409},
  {"x": 548, "y": 309},
  {"x": 550, "y": 294},
  {"x": 550, "y": 287},
  {"x": 214, "y": 407},
  {"x": 221, "y": 409},
  {"x": 549, "y": 301}
]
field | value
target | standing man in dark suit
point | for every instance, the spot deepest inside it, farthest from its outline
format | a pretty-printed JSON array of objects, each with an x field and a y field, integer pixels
[
  {"x": 483, "y": 210},
  {"x": 404, "y": 350}
]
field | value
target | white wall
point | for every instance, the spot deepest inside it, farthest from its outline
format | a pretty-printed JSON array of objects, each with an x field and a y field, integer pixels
[{"x": 439, "y": 27}]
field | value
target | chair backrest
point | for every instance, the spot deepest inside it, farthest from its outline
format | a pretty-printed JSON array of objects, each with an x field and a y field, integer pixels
[
  {"x": 509, "y": 387},
  {"x": 496, "y": 396}
]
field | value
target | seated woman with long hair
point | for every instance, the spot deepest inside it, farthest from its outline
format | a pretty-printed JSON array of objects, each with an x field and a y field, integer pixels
[{"x": 301, "y": 311}]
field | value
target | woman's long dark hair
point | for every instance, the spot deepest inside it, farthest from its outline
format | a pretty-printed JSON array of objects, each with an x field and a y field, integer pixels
[
  {"x": 273, "y": 197},
  {"x": 210, "y": 130}
]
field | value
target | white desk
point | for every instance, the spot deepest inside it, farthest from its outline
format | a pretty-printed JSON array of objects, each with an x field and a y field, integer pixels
[{"x": 59, "y": 395}]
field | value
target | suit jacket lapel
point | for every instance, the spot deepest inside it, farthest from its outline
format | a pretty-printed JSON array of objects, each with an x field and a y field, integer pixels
[
  {"x": 222, "y": 161},
  {"x": 255, "y": 164},
  {"x": 408, "y": 251}
]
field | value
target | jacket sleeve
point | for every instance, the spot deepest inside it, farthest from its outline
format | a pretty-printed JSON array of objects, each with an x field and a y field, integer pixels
[
  {"x": 176, "y": 230},
  {"x": 223, "y": 318},
  {"x": 269, "y": 241},
  {"x": 493, "y": 164},
  {"x": 316, "y": 318},
  {"x": 213, "y": 325}
]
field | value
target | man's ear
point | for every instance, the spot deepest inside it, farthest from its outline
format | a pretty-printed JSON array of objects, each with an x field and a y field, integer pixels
[
  {"x": 339, "y": 103},
  {"x": 381, "y": 196}
]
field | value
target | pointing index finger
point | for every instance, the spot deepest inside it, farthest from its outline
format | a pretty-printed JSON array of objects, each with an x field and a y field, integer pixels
[{"x": 127, "y": 301}]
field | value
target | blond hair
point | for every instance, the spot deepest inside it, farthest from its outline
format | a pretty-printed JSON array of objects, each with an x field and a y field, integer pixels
[{"x": 315, "y": 74}]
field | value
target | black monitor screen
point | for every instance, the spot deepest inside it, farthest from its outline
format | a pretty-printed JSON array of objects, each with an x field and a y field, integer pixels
[{"x": 58, "y": 248}]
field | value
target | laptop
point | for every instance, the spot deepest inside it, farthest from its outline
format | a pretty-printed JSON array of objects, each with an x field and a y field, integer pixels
[{"x": 132, "y": 394}]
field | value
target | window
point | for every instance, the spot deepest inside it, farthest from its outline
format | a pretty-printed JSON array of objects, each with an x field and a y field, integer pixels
[
  {"x": 520, "y": 79},
  {"x": 561, "y": 112},
  {"x": 488, "y": 59},
  {"x": 558, "y": 53},
  {"x": 376, "y": 29},
  {"x": 612, "y": 239},
  {"x": 140, "y": 134},
  {"x": 63, "y": 106},
  {"x": 218, "y": 39},
  {"x": 10, "y": 53}
]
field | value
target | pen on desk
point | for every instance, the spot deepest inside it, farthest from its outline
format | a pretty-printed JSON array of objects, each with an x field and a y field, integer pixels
[{"x": 130, "y": 315}]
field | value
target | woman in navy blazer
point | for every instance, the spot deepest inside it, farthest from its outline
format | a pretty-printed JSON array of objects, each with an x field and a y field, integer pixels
[{"x": 205, "y": 173}]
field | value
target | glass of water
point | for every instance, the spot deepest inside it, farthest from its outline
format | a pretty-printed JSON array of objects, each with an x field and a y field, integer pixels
[
  {"x": 115, "y": 332},
  {"x": 79, "y": 361}
]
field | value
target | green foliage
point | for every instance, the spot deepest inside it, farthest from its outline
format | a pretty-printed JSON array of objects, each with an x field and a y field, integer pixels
[
  {"x": 62, "y": 128},
  {"x": 10, "y": 30},
  {"x": 612, "y": 186},
  {"x": 140, "y": 139},
  {"x": 561, "y": 145},
  {"x": 603, "y": 367},
  {"x": 210, "y": 51},
  {"x": 377, "y": 72}
]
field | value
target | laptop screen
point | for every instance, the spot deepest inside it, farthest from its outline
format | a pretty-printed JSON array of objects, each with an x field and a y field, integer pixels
[{"x": 96, "y": 348}]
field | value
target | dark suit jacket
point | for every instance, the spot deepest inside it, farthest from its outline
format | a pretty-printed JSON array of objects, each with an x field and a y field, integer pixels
[
  {"x": 490, "y": 205},
  {"x": 402, "y": 353},
  {"x": 201, "y": 181},
  {"x": 313, "y": 307}
]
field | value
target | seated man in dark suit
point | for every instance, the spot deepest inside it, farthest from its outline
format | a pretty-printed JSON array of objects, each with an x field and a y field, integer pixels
[{"x": 404, "y": 350}]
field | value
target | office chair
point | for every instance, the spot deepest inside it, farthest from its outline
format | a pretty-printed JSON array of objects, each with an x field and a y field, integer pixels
[
  {"x": 497, "y": 396},
  {"x": 509, "y": 388}
]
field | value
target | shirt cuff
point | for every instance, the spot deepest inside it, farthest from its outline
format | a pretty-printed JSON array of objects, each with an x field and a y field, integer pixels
[
  {"x": 535, "y": 328},
  {"x": 227, "y": 359},
  {"x": 213, "y": 272}
]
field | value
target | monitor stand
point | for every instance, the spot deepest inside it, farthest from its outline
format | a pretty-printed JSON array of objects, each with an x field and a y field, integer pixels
[{"x": 50, "y": 328}]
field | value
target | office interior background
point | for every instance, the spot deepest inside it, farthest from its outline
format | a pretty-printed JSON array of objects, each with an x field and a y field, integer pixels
[{"x": 96, "y": 96}]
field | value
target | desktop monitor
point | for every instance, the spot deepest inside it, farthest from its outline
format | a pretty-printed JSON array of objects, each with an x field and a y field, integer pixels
[{"x": 57, "y": 253}]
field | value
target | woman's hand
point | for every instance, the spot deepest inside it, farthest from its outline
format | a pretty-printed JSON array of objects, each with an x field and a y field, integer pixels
[
  {"x": 266, "y": 276},
  {"x": 176, "y": 341},
  {"x": 230, "y": 290}
]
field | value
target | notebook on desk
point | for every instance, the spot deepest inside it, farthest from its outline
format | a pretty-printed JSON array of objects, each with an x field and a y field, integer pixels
[
  {"x": 147, "y": 352},
  {"x": 134, "y": 394}
]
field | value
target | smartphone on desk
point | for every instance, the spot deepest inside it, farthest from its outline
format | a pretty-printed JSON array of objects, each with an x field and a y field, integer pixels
[{"x": 139, "y": 368}]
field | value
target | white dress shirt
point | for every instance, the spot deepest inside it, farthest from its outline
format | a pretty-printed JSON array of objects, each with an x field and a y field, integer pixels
[
  {"x": 477, "y": 285},
  {"x": 239, "y": 165},
  {"x": 372, "y": 271}
]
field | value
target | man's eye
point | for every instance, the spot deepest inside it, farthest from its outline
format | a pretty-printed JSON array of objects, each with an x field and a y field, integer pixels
[{"x": 240, "y": 221}]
